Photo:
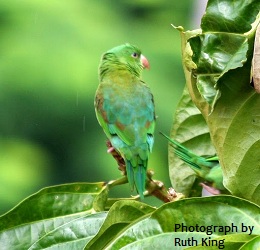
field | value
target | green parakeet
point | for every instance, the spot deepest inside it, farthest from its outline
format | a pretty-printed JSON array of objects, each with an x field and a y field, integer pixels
[
  {"x": 208, "y": 168},
  {"x": 125, "y": 110}
]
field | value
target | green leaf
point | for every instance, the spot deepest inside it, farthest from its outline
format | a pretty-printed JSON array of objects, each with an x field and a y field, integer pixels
[
  {"x": 72, "y": 235},
  {"x": 218, "y": 210},
  {"x": 253, "y": 244},
  {"x": 137, "y": 231},
  {"x": 190, "y": 129},
  {"x": 230, "y": 16},
  {"x": 54, "y": 211},
  {"x": 230, "y": 242},
  {"x": 58, "y": 233},
  {"x": 222, "y": 72},
  {"x": 179, "y": 219},
  {"x": 166, "y": 241},
  {"x": 121, "y": 214},
  {"x": 215, "y": 54}
]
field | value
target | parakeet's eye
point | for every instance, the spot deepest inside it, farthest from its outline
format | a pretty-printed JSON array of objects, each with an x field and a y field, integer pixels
[{"x": 134, "y": 55}]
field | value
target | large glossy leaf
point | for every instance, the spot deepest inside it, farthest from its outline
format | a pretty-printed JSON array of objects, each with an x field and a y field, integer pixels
[
  {"x": 252, "y": 244},
  {"x": 217, "y": 70},
  {"x": 121, "y": 214},
  {"x": 230, "y": 242},
  {"x": 230, "y": 16},
  {"x": 167, "y": 241},
  {"x": 54, "y": 216},
  {"x": 58, "y": 233},
  {"x": 170, "y": 240},
  {"x": 173, "y": 220},
  {"x": 215, "y": 54},
  {"x": 189, "y": 128}
]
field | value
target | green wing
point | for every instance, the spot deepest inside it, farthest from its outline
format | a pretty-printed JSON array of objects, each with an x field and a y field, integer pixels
[
  {"x": 127, "y": 113},
  {"x": 127, "y": 117}
]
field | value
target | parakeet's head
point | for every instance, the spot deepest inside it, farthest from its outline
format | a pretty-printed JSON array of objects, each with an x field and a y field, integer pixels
[{"x": 125, "y": 56}]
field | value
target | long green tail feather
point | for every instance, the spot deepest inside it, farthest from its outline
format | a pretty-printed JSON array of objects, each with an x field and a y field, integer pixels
[
  {"x": 130, "y": 174},
  {"x": 136, "y": 177},
  {"x": 140, "y": 177}
]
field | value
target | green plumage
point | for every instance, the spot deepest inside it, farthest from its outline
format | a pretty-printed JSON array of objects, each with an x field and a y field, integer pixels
[
  {"x": 125, "y": 109},
  {"x": 208, "y": 168}
]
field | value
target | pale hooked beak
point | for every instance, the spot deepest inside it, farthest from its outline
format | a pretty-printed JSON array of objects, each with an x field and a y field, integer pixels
[{"x": 144, "y": 62}]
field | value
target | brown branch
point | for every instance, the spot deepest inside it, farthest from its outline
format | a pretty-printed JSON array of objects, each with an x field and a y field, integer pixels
[
  {"x": 153, "y": 187},
  {"x": 157, "y": 189}
]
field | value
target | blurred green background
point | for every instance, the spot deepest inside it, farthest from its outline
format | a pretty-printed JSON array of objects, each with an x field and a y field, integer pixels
[{"x": 49, "y": 56}]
